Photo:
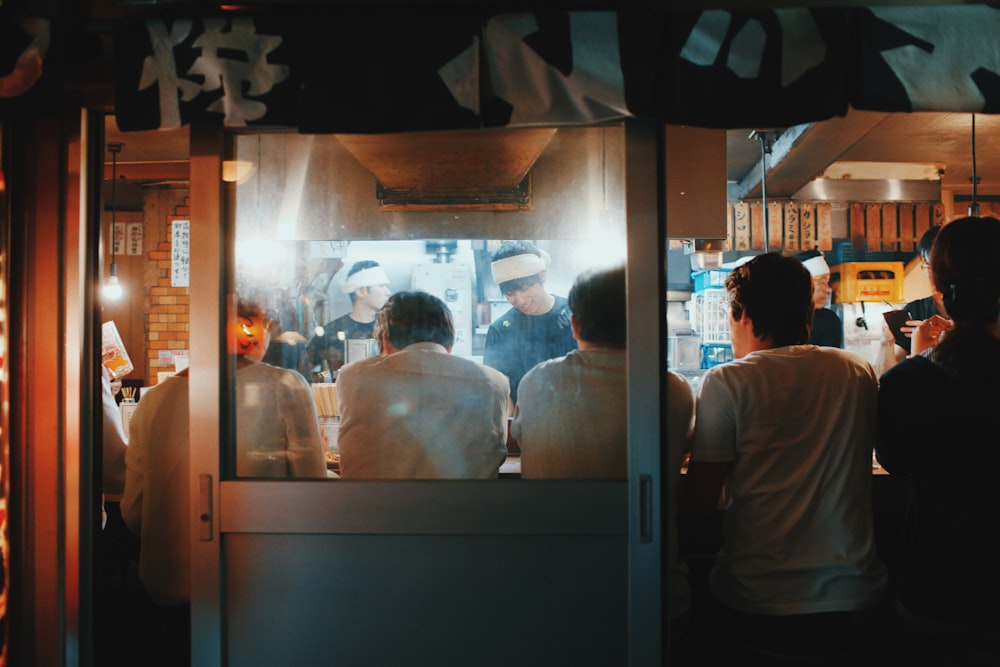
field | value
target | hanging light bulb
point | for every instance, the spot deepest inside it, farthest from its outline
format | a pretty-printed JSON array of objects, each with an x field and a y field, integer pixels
[{"x": 112, "y": 287}]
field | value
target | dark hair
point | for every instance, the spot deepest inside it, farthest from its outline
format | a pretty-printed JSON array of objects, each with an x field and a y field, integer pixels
[
  {"x": 249, "y": 308},
  {"x": 963, "y": 257},
  {"x": 360, "y": 265},
  {"x": 775, "y": 291},
  {"x": 597, "y": 301},
  {"x": 414, "y": 317},
  {"x": 513, "y": 249},
  {"x": 926, "y": 241}
]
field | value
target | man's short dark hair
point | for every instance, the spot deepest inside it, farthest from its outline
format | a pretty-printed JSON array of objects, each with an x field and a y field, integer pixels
[
  {"x": 414, "y": 317},
  {"x": 597, "y": 301},
  {"x": 775, "y": 291}
]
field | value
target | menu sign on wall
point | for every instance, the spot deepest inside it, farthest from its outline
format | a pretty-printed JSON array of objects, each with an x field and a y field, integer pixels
[{"x": 180, "y": 253}]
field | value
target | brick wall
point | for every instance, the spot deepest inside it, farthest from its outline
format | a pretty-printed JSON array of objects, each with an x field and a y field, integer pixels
[{"x": 168, "y": 308}]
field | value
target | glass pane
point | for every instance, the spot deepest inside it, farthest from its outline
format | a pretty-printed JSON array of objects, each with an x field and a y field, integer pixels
[{"x": 328, "y": 227}]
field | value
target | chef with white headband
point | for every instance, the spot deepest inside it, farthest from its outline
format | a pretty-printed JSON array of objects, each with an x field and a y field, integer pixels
[
  {"x": 827, "y": 327},
  {"x": 537, "y": 327},
  {"x": 367, "y": 284}
]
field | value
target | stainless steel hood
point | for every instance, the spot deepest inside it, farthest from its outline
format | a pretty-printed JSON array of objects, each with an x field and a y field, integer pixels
[
  {"x": 869, "y": 190},
  {"x": 802, "y": 155}
]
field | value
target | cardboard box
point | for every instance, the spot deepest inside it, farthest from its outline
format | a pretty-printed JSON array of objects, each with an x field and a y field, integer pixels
[{"x": 867, "y": 281}]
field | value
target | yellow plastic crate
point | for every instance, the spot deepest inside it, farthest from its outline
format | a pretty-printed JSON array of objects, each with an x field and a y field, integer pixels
[{"x": 867, "y": 281}]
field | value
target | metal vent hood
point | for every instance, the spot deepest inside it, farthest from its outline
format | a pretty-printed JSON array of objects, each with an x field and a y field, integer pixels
[
  {"x": 864, "y": 156},
  {"x": 461, "y": 168}
]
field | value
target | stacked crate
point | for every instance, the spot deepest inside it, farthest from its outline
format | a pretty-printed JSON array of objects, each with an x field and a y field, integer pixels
[{"x": 710, "y": 316}]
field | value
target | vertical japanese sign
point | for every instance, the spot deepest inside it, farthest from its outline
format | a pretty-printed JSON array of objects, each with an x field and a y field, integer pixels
[
  {"x": 180, "y": 253},
  {"x": 119, "y": 238},
  {"x": 134, "y": 238}
]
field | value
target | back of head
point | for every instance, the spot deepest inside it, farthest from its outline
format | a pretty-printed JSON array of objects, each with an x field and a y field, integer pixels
[
  {"x": 414, "y": 317},
  {"x": 597, "y": 301},
  {"x": 516, "y": 265},
  {"x": 962, "y": 261},
  {"x": 776, "y": 293},
  {"x": 248, "y": 331}
]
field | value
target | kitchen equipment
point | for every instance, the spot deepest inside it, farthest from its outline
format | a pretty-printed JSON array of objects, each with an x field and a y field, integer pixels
[
  {"x": 452, "y": 283},
  {"x": 684, "y": 352},
  {"x": 359, "y": 348}
]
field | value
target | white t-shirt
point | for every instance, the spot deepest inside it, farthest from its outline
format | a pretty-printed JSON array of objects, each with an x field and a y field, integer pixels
[{"x": 798, "y": 423}]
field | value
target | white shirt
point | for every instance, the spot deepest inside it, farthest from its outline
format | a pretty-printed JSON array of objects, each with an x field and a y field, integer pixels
[
  {"x": 276, "y": 419},
  {"x": 799, "y": 424},
  {"x": 571, "y": 417},
  {"x": 421, "y": 413}
]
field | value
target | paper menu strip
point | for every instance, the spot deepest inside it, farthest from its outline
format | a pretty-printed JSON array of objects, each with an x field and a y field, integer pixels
[{"x": 114, "y": 356}]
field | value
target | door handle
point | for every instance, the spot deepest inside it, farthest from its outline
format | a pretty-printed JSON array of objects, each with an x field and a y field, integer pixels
[
  {"x": 205, "y": 508},
  {"x": 645, "y": 508}
]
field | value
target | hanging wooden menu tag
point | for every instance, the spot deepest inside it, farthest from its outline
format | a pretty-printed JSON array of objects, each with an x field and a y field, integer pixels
[
  {"x": 873, "y": 226},
  {"x": 791, "y": 227},
  {"x": 938, "y": 214},
  {"x": 807, "y": 226},
  {"x": 906, "y": 227},
  {"x": 824, "y": 227},
  {"x": 741, "y": 226},
  {"x": 775, "y": 226},
  {"x": 890, "y": 227},
  {"x": 756, "y": 226},
  {"x": 858, "y": 240},
  {"x": 923, "y": 217}
]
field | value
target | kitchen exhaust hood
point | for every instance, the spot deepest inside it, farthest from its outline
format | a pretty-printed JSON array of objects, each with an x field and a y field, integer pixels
[
  {"x": 875, "y": 181},
  {"x": 469, "y": 169}
]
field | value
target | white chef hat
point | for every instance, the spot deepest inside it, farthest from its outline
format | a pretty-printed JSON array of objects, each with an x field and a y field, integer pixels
[
  {"x": 374, "y": 275},
  {"x": 814, "y": 263},
  {"x": 519, "y": 266}
]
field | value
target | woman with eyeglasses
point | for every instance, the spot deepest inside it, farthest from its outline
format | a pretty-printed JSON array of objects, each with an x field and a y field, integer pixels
[{"x": 890, "y": 353}]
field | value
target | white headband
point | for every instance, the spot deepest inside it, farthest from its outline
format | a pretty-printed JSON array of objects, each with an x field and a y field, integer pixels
[
  {"x": 519, "y": 266},
  {"x": 817, "y": 266},
  {"x": 365, "y": 278}
]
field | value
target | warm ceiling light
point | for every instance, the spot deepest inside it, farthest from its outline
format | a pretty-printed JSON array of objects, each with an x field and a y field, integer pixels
[
  {"x": 112, "y": 288},
  {"x": 237, "y": 171}
]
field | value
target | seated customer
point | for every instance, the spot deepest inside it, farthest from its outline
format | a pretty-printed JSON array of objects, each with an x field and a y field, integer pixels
[
  {"x": 415, "y": 411},
  {"x": 936, "y": 414},
  {"x": 571, "y": 412},
  {"x": 277, "y": 436},
  {"x": 789, "y": 429}
]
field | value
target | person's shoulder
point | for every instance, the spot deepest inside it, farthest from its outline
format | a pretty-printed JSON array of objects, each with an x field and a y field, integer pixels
[
  {"x": 272, "y": 372},
  {"x": 493, "y": 375}
]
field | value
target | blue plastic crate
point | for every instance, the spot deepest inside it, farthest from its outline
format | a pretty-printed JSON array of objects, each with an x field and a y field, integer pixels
[
  {"x": 709, "y": 279},
  {"x": 713, "y": 354}
]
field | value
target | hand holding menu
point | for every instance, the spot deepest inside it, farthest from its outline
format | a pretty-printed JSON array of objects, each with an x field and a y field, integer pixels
[{"x": 896, "y": 319}]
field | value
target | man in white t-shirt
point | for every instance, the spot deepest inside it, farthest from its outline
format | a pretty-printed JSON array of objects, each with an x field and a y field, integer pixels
[{"x": 787, "y": 430}]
